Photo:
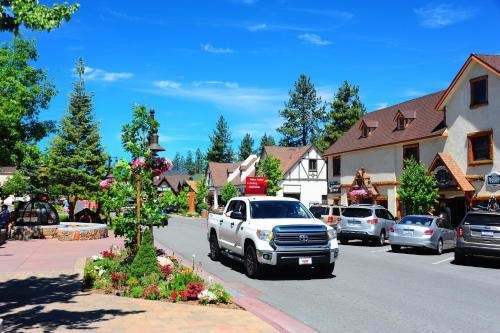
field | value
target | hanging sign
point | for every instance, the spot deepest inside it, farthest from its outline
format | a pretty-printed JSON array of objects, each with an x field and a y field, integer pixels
[
  {"x": 443, "y": 176},
  {"x": 334, "y": 187},
  {"x": 256, "y": 186},
  {"x": 493, "y": 179}
]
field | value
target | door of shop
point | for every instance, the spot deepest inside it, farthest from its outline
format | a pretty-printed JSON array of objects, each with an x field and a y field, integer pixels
[{"x": 455, "y": 207}]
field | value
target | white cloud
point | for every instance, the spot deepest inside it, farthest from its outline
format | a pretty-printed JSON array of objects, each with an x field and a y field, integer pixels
[
  {"x": 212, "y": 49},
  {"x": 442, "y": 15},
  {"x": 313, "y": 39},
  {"x": 97, "y": 74},
  {"x": 381, "y": 105},
  {"x": 413, "y": 93},
  {"x": 257, "y": 27},
  {"x": 226, "y": 95},
  {"x": 167, "y": 84}
]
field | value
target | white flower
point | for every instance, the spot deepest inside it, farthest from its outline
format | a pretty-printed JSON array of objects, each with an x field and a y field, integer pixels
[
  {"x": 207, "y": 295},
  {"x": 96, "y": 257},
  {"x": 101, "y": 272}
]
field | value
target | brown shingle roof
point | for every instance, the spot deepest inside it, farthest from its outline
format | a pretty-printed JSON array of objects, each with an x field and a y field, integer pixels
[
  {"x": 220, "y": 171},
  {"x": 427, "y": 123},
  {"x": 455, "y": 171},
  {"x": 289, "y": 156},
  {"x": 492, "y": 60}
]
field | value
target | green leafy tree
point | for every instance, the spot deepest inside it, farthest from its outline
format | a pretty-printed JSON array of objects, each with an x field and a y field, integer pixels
[
  {"x": 246, "y": 147},
  {"x": 76, "y": 161},
  {"x": 345, "y": 110},
  {"x": 16, "y": 185},
  {"x": 302, "y": 114},
  {"x": 189, "y": 163},
  {"x": 183, "y": 200},
  {"x": 25, "y": 91},
  {"x": 220, "y": 149},
  {"x": 270, "y": 168},
  {"x": 145, "y": 262},
  {"x": 228, "y": 192},
  {"x": 266, "y": 140},
  {"x": 200, "y": 163},
  {"x": 418, "y": 191},
  {"x": 34, "y": 16},
  {"x": 201, "y": 194}
]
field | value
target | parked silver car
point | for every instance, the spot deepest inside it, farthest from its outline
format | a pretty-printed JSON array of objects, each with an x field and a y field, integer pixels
[
  {"x": 424, "y": 231},
  {"x": 365, "y": 222}
]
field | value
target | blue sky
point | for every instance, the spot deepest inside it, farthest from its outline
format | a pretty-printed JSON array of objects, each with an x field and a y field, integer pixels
[{"x": 195, "y": 60}]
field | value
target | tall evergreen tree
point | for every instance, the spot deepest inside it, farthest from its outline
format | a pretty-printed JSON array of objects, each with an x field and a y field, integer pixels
[
  {"x": 345, "y": 110},
  {"x": 176, "y": 162},
  {"x": 266, "y": 140},
  {"x": 302, "y": 113},
  {"x": 189, "y": 163},
  {"x": 199, "y": 162},
  {"x": 246, "y": 147},
  {"x": 220, "y": 150},
  {"x": 76, "y": 158}
]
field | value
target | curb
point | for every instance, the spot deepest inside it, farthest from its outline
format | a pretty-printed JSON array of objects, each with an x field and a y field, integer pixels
[{"x": 274, "y": 317}]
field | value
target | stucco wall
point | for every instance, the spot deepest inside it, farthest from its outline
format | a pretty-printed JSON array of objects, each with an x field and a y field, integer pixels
[{"x": 461, "y": 119}]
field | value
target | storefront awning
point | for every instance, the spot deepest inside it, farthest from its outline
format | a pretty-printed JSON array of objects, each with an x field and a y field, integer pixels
[{"x": 445, "y": 166}]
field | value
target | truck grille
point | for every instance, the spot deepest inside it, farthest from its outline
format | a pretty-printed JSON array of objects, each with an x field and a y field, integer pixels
[{"x": 300, "y": 235}]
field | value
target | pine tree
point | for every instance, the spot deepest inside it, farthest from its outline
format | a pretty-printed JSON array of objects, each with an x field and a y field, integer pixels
[
  {"x": 246, "y": 147},
  {"x": 266, "y": 140},
  {"x": 303, "y": 114},
  {"x": 76, "y": 158},
  {"x": 345, "y": 110},
  {"x": 189, "y": 163},
  {"x": 199, "y": 162},
  {"x": 176, "y": 162},
  {"x": 221, "y": 150}
]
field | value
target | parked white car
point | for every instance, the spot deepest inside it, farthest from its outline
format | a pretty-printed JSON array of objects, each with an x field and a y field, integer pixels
[{"x": 272, "y": 231}]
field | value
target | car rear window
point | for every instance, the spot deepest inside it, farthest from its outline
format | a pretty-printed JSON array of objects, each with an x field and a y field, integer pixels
[
  {"x": 417, "y": 220},
  {"x": 336, "y": 211},
  {"x": 319, "y": 209},
  {"x": 357, "y": 212},
  {"x": 482, "y": 219}
]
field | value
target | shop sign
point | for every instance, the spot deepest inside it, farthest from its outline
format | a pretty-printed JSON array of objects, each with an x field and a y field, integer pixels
[
  {"x": 334, "y": 187},
  {"x": 256, "y": 186},
  {"x": 493, "y": 179},
  {"x": 442, "y": 175}
]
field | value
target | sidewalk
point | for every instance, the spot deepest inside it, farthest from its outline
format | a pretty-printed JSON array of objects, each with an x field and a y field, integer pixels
[{"x": 40, "y": 291}]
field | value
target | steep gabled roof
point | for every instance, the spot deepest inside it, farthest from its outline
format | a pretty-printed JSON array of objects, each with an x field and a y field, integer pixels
[
  {"x": 454, "y": 169},
  {"x": 220, "y": 171},
  {"x": 427, "y": 123},
  {"x": 490, "y": 62},
  {"x": 289, "y": 156}
]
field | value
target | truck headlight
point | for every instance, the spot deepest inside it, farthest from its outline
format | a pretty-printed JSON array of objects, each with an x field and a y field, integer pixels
[
  {"x": 265, "y": 235},
  {"x": 331, "y": 234}
]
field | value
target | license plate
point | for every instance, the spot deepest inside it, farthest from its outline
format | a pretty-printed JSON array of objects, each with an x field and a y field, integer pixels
[
  {"x": 354, "y": 222},
  {"x": 487, "y": 233},
  {"x": 407, "y": 232},
  {"x": 305, "y": 261}
]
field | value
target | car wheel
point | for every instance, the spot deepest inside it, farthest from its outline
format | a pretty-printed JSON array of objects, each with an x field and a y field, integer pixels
[
  {"x": 343, "y": 240},
  {"x": 439, "y": 247},
  {"x": 214, "y": 247},
  {"x": 252, "y": 266},
  {"x": 381, "y": 238},
  {"x": 326, "y": 270},
  {"x": 460, "y": 257},
  {"x": 395, "y": 248}
]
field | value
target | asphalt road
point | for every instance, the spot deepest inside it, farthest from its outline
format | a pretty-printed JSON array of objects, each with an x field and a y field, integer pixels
[{"x": 372, "y": 290}]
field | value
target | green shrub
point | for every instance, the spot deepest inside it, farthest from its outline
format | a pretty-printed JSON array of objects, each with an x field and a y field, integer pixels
[
  {"x": 201, "y": 206},
  {"x": 181, "y": 280},
  {"x": 63, "y": 218},
  {"x": 103, "y": 283},
  {"x": 150, "y": 279},
  {"x": 132, "y": 282},
  {"x": 137, "y": 292},
  {"x": 145, "y": 261},
  {"x": 223, "y": 296}
]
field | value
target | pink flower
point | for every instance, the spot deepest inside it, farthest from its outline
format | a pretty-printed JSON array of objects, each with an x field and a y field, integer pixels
[
  {"x": 161, "y": 164},
  {"x": 139, "y": 163},
  {"x": 106, "y": 183}
]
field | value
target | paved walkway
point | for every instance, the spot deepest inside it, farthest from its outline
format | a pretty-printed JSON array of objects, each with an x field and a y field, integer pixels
[{"x": 40, "y": 291}]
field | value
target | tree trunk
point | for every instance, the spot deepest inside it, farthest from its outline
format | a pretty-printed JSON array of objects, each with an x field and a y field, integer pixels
[{"x": 71, "y": 208}]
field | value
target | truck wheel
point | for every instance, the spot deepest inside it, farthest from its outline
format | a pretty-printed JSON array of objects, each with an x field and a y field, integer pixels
[
  {"x": 326, "y": 270},
  {"x": 343, "y": 240},
  {"x": 252, "y": 266},
  {"x": 214, "y": 247}
]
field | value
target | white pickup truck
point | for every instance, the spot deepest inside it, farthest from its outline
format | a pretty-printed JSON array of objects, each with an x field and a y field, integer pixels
[{"x": 272, "y": 231}]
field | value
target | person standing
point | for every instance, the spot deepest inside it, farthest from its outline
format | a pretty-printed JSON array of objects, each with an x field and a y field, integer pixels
[{"x": 4, "y": 217}]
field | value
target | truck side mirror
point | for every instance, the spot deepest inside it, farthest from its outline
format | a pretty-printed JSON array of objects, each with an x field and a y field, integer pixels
[{"x": 236, "y": 216}]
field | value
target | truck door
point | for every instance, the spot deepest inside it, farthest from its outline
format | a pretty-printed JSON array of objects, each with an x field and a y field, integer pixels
[
  {"x": 225, "y": 226},
  {"x": 236, "y": 225}
]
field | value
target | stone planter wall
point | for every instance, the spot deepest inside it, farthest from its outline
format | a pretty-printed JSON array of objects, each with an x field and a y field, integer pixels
[{"x": 65, "y": 231}]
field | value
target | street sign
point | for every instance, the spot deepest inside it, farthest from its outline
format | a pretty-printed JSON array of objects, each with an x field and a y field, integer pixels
[
  {"x": 334, "y": 187},
  {"x": 256, "y": 186},
  {"x": 493, "y": 179}
]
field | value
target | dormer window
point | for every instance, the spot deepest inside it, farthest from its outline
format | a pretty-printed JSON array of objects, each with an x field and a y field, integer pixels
[
  {"x": 367, "y": 127},
  {"x": 404, "y": 118},
  {"x": 364, "y": 132}
]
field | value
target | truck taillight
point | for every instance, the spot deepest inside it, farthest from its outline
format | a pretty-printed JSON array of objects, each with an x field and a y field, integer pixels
[
  {"x": 391, "y": 229},
  {"x": 330, "y": 219},
  {"x": 372, "y": 221},
  {"x": 428, "y": 232},
  {"x": 460, "y": 232}
]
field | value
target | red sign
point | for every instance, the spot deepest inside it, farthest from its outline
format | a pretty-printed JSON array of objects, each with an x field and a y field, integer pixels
[{"x": 256, "y": 186}]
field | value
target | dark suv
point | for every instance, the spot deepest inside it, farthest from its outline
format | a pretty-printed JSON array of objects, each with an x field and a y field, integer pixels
[{"x": 478, "y": 234}]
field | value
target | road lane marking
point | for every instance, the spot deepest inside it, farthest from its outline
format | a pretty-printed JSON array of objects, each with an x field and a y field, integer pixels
[{"x": 441, "y": 261}]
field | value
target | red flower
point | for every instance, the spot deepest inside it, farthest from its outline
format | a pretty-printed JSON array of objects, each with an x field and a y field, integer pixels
[
  {"x": 166, "y": 270},
  {"x": 108, "y": 254},
  {"x": 193, "y": 289}
]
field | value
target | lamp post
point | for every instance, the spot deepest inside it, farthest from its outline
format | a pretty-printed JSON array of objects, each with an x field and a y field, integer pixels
[{"x": 154, "y": 147}]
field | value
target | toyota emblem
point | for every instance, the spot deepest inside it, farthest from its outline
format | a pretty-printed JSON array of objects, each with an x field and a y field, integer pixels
[{"x": 303, "y": 238}]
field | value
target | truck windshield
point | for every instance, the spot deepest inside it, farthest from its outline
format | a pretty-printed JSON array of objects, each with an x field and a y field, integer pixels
[{"x": 279, "y": 210}]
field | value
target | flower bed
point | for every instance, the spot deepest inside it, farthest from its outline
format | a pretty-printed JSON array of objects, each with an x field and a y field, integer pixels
[{"x": 112, "y": 272}]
